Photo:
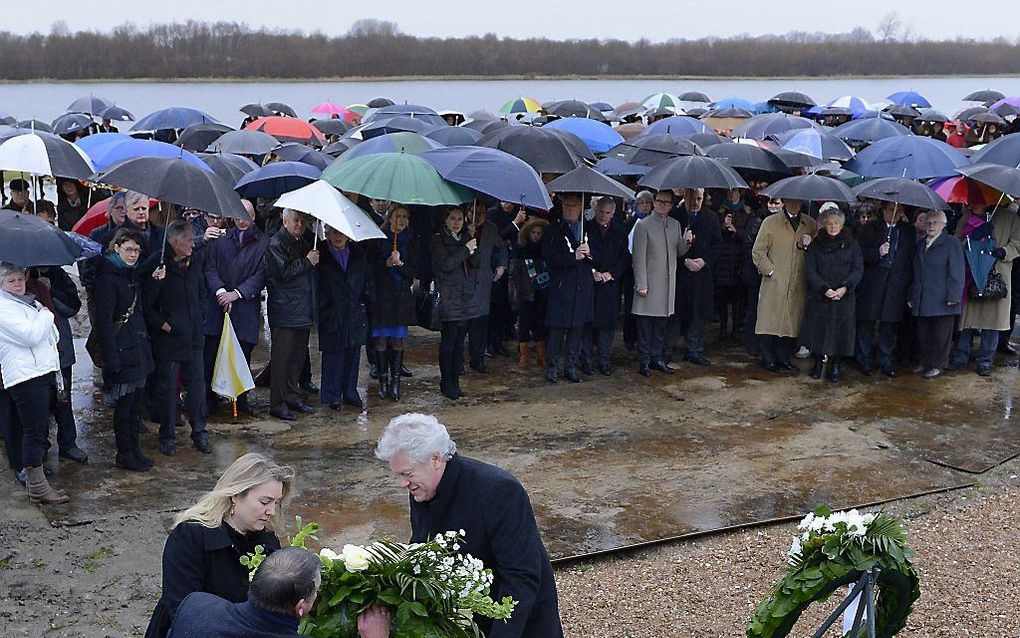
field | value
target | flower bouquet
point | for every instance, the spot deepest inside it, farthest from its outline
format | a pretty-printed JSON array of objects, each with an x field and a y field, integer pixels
[{"x": 432, "y": 589}]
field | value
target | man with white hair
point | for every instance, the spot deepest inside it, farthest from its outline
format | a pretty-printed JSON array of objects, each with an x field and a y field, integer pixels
[
  {"x": 453, "y": 492},
  {"x": 290, "y": 271}
]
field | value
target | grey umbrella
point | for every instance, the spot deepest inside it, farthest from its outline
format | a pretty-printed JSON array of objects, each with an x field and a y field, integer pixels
[
  {"x": 692, "y": 171},
  {"x": 589, "y": 181},
  {"x": 89, "y": 104},
  {"x": 901, "y": 191},
  {"x": 244, "y": 143},
  {"x": 281, "y": 108},
  {"x": 1001, "y": 178},
  {"x": 814, "y": 188},
  {"x": 230, "y": 167}
]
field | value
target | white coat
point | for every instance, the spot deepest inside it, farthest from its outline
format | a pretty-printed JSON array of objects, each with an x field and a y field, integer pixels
[{"x": 28, "y": 340}]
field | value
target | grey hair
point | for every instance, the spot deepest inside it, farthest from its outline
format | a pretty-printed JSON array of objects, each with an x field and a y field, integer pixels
[
  {"x": 6, "y": 268},
  {"x": 644, "y": 195},
  {"x": 130, "y": 197},
  {"x": 285, "y": 578},
  {"x": 177, "y": 230},
  {"x": 606, "y": 201},
  {"x": 417, "y": 435},
  {"x": 290, "y": 212},
  {"x": 935, "y": 214},
  {"x": 832, "y": 212}
]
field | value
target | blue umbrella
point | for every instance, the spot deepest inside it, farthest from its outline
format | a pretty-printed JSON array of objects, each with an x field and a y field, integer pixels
[
  {"x": 71, "y": 123},
  {"x": 174, "y": 117},
  {"x": 913, "y": 156},
  {"x": 400, "y": 142},
  {"x": 815, "y": 143},
  {"x": 865, "y": 115},
  {"x": 678, "y": 125},
  {"x": 614, "y": 167},
  {"x": 492, "y": 172},
  {"x": 909, "y": 98},
  {"x": 294, "y": 152},
  {"x": 109, "y": 148},
  {"x": 114, "y": 112},
  {"x": 395, "y": 124},
  {"x": 764, "y": 107},
  {"x": 454, "y": 135},
  {"x": 738, "y": 102},
  {"x": 870, "y": 129},
  {"x": 761, "y": 126},
  {"x": 851, "y": 102},
  {"x": 414, "y": 111},
  {"x": 275, "y": 179},
  {"x": 597, "y": 136}
]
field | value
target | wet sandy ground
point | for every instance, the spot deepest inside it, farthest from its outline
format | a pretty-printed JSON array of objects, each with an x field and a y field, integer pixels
[{"x": 608, "y": 462}]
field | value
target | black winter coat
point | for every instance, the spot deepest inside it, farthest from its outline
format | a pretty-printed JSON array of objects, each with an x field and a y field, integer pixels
[
  {"x": 939, "y": 277},
  {"x": 493, "y": 508},
  {"x": 392, "y": 303},
  {"x": 832, "y": 262},
  {"x": 570, "y": 301},
  {"x": 343, "y": 298},
  {"x": 451, "y": 262},
  {"x": 179, "y": 300},
  {"x": 695, "y": 291},
  {"x": 608, "y": 254},
  {"x": 66, "y": 304},
  {"x": 127, "y": 352},
  {"x": 882, "y": 293},
  {"x": 290, "y": 280},
  {"x": 198, "y": 558},
  {"x": 207, "y": 616},
  {"x": 231, "y": 266}
]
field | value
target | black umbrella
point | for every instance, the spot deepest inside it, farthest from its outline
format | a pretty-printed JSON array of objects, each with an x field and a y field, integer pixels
[
  {"x": 89, "y": 104},
  {"x": 870, "y": 129},
  {"x": 986, "y": 118},
  {"x": 333, "y": 126},
  {"x": 729, "y": 111},
  {"x": 659, "y": 111},
  {"x": 36, "y": 125},
  {"x": 931, "y": 115},
  {"x": 706, "y": 140},
  {"x": 970, "y": 112},
  {"x": 1004, "y": 151},
  {"x": 114, "y": 112},
  {"x": 7, "y": 118},
  {"x": 486, "y": 126},
  {"x": 256, "y": 110},
  {"x": 761, "y": 126},
  {"x": 198, "y": 137},
  {"x": 589, "y": 181},
  {"x": 902, "y": 110},
  {"x": 618, "y": 168},
  {"x": 380, "y": 102},
  {"x": 748, "y": 157},
  {"x": 1002, "y": 178},
  {"x": 816, "y": 188},
  {"x": 576, "y": 108},
  {"x": 177, "y": 181},
  {"x": 695, "y": 96},
  {"x": 652, "y": 149},
  {"x": 29, "y": 241},
  {"x": 793, "y": 99},
  {"x": 543, "y": 149},
  {"x": 1006, "y": 109},
  {"x": 244, "y": 142},
  {"x": 692, "y": 171},
  {"x": 901, "y": 191},
  {"x": 836, "y": 110},
  {"x": 281, "y": 108},
  {"x": 337, "y": 148},
  {"x": 294, "y": 152},
  {"x": 696, "y": 112},
  {"x": 793, "y": 159},
  {"x": 71, "y": 123},
  {"x": 987, "y": 95},
  {"x": 576, "y": 144},
  {"x": 230, "y": 167}
]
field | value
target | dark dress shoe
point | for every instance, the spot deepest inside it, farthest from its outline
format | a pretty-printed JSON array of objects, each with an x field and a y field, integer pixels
[
  {"x": 772, "y": 366},
  {"x": 550, "y": 376},
  {"x": 645, "y": 369},
  {"x": 357, "y": 403},
  {"x": 889, "y": 372},
  {"x": 816, "y": 370},
  {"x": 130, "y": 463},
  {"x": 662, "y": 366},
  {"x": 865, "y": 369},
  {"x": 168, "y": 448},
  {"x": 572, "y": 376},
  {"x": 479, "y": 366},
  {"x": 1006, "y": 348},
  {"x": 336, "y": 405},
  {"x": 404, "y": 372},
  {"x": 310, "y": 387},
  {"x": 984, "y": 371},
  {"x": 301, "y": 406},
  {"x": 76, "y": 454},
  {"x": 202, "y": 443},
  {"x": 605, "y": 369},
  {"x": 587, "y": 369},
  {"x": 141, "y": 458},
  {"x": 283, "y": 415},
  {"x": 834, "y": 370},
  {"x": 789, "y": 367},
  {"x": 698, "y": 360}
]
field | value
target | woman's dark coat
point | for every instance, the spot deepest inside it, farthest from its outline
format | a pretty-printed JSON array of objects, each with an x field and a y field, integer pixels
[
  {"x": 451, "y": 262},
  {"x": 831, "y": 263},
  {"x": 695, "y": 291},
  {"x": 290, "y": 279},
  {"x": 66, "y": 304},
  {"x": 882, "y": 293},
  {"x": 608, "y": 254},
  {"x": 343, "y": 300},
  {"x": 127, "y": 352},
  {"x": 493, "y": 509},
  {"x": 231, "y": 265},
  {"x": 938, "y": 277},
  {"x": 491, "y": 254},
  {"x": 198, "y": 558},
  {"x": 178, "y": 300},
  {"x": 570, "y": 302},
  {"x": 727, "y": 269},
  {"x": 392, "y": 304}
]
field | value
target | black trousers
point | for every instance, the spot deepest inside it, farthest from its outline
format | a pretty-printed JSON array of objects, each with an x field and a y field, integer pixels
[
  {"x": 750, "y": 339},
  {"x": 777, "y": 349},
  {"x": 478, "y": 338},
  {"x": 192, "y": 373},
  {"x": 531, "y": 319},
  {"x": 565, "y": 342},
  {"x": 597, "y": 342},
  {"x": 286, "y": 360},
  {"x": 629, "y": 318},
  {"x": 730, "y": 302},
  {"x": 935, "y": 335},
  {"x": 692, "y": 330},
  {"x": 651, "y": 338},
  {"x": 27, "y": 422},
  {"x": 887, "y": 331},
  {"x": 60, "y": 407},
  {"x": 451, "y": 350}
]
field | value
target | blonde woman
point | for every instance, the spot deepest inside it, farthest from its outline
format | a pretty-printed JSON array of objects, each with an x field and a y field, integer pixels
[{"x": 203, "y": 550}]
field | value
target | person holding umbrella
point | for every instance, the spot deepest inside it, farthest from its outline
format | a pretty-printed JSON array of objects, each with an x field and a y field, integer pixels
[
  {"x": 19, "y": 199},
  {"x": 391, "y": 309},
  {"x": 453, "y": 256},
  {"x": 610, "y": 260},
  {"x": 492, "y": 262}
]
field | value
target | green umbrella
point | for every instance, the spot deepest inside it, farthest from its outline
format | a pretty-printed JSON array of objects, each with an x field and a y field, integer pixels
[{"x": 398, "y": 177}]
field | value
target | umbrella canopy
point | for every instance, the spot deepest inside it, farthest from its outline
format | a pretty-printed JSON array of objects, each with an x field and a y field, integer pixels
[
  {"x": 325, "y": 203},
  {"x": 486, "y": 126},
  {"x": 960, "y": 190},
  {"x": 737, "y": 102},
  {"x": 29, "y": 241},
  {"x": 174, "y": 117},
  {"x": 705, "y": 140},
  {"x": 912, "y": 156},
  {"x": 987, "y": 118},
  {"x": 244, "y": 143},
  {"x": 177, "y": 181},
  {"x": 482, "y": 115},
  {"x": 293, "y": 152},
  {"x": 1012, "y": 101},
  {"x": 851, "y": 102},
  {"x": 931, "y": 115},
  {"x": 492, "y": 172},
  {"x": 40, "y": 153},
  {"x": 1005, "y": 179},
  {"x": 520, "y": 105},
  {"x": 728, "y": 112},
  {"x": 93, "y": 218},
  {"x": 229, "y": 167},
  {"x": 909, "y": 98},
  {"x": 90, "y": 104},
  {"x": 402, "y": 142},
  {"x": 1004, "y": 151},
  {"x": 454, "y": 135},
  {"x": 695, "y": 96},
  {"x": 964, "y": 114},
  {"x": 275, "y": 179},
  {"x": 900, "y": 110},
  {"x": 198, "y": 137},
  {"x": 761, "y": 126},
  {"x": 360, "y": 109},
  {"x": 628, "y": 108},
  {"x": 398, "y": 177},
  {"x": 282, "y": 109},
  {"x": 605, "y": 107},
  {"x": 339, "y": 147},
  {"x": 106, "y": 149},
  {"x": 333, "y": 126},
  {"x": 748, "y": 157},
  {"x": 584, "y": 179},
  {"x": 395, "y": 124},
  {"x": 792, "y": 99},
  {"x": 410, "y": 110},
  {"x": 256, "y": 110},
  {"x": 901, "y": 191},
  {"x": 115, "y": 113},
  {"x": 329, "y": 108},
  {"x": 815, "y": 143},
  {"x": 288, "y": 129},
  {"x": 810, "y": 188},
  {"x": 793, "y": 159},
  {"x": 662, "y": 100},
  {"x": 575, "y": 108},
  {"x": 541, "y": 148},
  {"x": 987, "y": 95},
  {"x": 71, "y": 123},
  {"x": 36, "y": 125},
  {"x": 870, "y": 129},
  {"x": 7, "y": 118},
  {"x": 619, "y": 168},
  {"x": 380, "y": 103},
  {"x": 652, "y": 149},
  {"x": 692, "y": 171},
  {"x": 597, "y": 136}
]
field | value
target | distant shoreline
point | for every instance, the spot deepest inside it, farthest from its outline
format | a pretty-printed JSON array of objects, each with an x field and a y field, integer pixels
[{"x": 498, "y": 78}]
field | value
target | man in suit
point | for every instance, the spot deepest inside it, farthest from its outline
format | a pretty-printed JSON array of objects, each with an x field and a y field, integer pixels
[{"x": 607, "y": 239}]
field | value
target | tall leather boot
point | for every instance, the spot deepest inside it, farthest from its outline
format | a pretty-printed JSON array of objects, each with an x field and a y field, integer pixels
[
  {"x": 396, "y": 363},
  {"x": 523, "y": 358},
  {"x": 126, "y": 436},
  {"x": 382, "y": 360},
  {"x": 834, "y": 369},
  {"x": 540, "y": 354},
  {"x": 39, "y": 489},
  {"x": 816, "y": 371},
  {"x": 373, "y": 362}
]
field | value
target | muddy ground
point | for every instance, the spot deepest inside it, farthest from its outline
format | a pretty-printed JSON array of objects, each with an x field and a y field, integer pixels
[{"x": 609, "y": 462}]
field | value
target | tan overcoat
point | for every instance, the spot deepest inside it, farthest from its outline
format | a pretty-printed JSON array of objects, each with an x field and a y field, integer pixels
[{"x": 778, "y": 250}]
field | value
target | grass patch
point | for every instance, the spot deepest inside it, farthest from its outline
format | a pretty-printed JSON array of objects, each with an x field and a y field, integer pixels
[
  {"x": 5, "y": 562},
  {"x": 91, "y": 560}
]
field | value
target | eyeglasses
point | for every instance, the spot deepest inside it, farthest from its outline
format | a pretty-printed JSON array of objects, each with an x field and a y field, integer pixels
[
  {"x": 130, "y": 251},
  {"x": 663, "y": 201}
]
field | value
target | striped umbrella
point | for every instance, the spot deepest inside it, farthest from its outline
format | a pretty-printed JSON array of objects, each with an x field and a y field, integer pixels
[
  {"x": 662, "y": 100},
  {"x": 521, "y": 105}
]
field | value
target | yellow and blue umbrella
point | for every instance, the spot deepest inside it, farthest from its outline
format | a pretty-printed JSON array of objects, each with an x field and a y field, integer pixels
[{"x": 521, "y": 105}]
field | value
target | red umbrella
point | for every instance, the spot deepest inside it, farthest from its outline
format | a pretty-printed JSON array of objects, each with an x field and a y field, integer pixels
[
  {"x": 96, "y": 217},
  {"x": 288, "y": 129}
]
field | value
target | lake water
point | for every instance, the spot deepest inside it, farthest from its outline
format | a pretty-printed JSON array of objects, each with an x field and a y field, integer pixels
[{"x": 46, "y": 100}]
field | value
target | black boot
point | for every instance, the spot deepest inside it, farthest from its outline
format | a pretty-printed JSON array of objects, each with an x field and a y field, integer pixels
[
  {"x": 142, "y": 460},
  {"x": 373, "y": 365},
  {"x": 816, "y": 371},
  {"x": 834, "y": 369},
  {"x": 396, "y": 362},
  {"x": 125, "y": 435},
  {"x": 382, "y": 358},
  {"x": 445, "y": 383}
]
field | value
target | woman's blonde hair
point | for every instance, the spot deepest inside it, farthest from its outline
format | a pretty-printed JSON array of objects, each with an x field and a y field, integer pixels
[
  {"x": 393, "y": 213},
  {"x": 248, "y": 471}
]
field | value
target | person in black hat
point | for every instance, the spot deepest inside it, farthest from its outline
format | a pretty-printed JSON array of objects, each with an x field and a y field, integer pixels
[{"x": 19, "y": 195}]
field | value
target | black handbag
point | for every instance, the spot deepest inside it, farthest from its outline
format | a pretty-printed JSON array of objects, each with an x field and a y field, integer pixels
[
  {"x": 995, "y": 288},
  {"x": 429, "y": 310}
]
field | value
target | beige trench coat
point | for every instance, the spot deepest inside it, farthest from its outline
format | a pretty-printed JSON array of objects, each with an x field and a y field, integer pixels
[
  {"x": 994, "y": 313},
  {"x": 778, "y": 250},
  {"x": 658, "y": 246}
]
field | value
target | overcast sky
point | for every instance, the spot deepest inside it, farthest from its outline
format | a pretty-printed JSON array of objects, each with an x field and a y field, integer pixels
[{"x": 558, "y": 19}]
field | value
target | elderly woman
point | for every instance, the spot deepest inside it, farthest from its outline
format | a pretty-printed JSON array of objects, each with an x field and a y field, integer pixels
[
  {"x": 453, "y": 250},
  {"x": 207, "y": 540},
  {"x": 28, "y": 361},
  {"x": 833, "y": 268},
  {"x": 935, "y": 293},
  {"x": 392, "y": 309}
]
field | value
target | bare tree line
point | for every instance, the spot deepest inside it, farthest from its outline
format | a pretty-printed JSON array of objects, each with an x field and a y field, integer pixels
[{"x": 377, "y": 48}]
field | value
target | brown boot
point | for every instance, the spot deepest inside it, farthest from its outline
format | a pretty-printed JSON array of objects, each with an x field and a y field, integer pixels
[
  {"x": 523, "y": 360},
  {"x": 39, "y": 490},
  {"x": 540, "y": 354}
]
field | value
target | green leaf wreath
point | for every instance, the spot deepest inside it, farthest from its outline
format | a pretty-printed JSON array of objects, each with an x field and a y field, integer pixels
[{"x": 835, "y": 550}]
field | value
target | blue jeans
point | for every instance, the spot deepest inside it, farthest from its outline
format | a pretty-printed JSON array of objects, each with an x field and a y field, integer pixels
[
  {"x": 985, "y": 351},
  {"x": 340, "y": 375}
]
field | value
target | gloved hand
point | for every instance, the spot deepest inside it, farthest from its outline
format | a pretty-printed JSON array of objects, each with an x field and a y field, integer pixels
[{"x": 999, "y": 253}]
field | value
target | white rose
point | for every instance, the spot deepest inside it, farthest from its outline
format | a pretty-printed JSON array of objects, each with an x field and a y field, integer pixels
[
  {"x": 326, "y": 552},
  {"x": 356, "y": 559}
]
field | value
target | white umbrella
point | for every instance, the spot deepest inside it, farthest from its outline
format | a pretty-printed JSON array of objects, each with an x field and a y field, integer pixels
[
  {"x": 325, "y": 203},
  {"x": 44, "y": 154}
]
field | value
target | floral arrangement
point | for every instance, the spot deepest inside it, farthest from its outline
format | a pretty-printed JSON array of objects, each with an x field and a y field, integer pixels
[
  {"x": 833, "y": 550},
  {"x": 431, "y": 588}
]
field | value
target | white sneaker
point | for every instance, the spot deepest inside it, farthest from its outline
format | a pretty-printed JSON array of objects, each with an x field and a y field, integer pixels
[{"x": 803, "y": 353}]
